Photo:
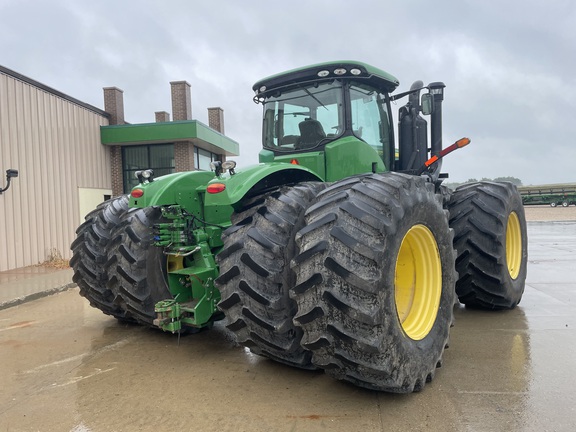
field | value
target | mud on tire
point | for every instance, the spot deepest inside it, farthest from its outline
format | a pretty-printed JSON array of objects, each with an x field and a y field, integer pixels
[
  {"x": 355, "y": 271},
  {"x": 89, "y": 255},
  {"x": 255, "y": 273},
  {"x": 491, "y": 244}
]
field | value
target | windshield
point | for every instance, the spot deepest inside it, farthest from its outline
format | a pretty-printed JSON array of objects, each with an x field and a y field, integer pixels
[{"x": 304, "y": 117}]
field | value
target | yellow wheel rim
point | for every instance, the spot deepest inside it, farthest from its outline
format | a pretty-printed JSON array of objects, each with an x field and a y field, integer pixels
[
  {"x": 513, "y": 245},
  {"x": 418, "y": 282}
]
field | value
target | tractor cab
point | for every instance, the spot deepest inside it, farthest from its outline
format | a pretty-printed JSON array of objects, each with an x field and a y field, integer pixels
[
  {"x": 318, "y": 108},
  {"x": 307, "y": 109}
]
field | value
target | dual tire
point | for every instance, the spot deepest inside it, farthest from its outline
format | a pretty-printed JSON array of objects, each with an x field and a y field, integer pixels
[
  {"x": 255, "y": 273},
  {"x": 360, "y": 283},
  {"x": 375, "y": 281},
  {"x": 491, "y": 241},
  {"x": 116, "y": 265}
]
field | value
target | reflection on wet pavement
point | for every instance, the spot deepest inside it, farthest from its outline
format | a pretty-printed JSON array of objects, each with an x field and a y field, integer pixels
[{"x": 68, "y": 367}]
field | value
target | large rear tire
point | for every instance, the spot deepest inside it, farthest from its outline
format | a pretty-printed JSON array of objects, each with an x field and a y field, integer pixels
[
  {"x": 136, "y": 268},
  {"x": 491, "y": 244},
  {"x": 255, "y": 273},
  {"x": 89, "y": 255},
  {"x": 375, "y": 281}
]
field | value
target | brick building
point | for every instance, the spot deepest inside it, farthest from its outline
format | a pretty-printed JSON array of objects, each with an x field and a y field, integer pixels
[{"x": 71, "y": 156}]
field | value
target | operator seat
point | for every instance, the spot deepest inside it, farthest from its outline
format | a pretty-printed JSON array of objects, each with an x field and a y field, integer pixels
[{"x": 311, "y": 133}]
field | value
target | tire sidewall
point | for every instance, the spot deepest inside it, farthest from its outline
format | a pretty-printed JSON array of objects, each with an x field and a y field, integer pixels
[
  {"x": 429, "y": 348},
  {"x": 514, "y": 288}
]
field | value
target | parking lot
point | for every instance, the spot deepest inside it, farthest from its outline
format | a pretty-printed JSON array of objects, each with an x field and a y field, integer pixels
[{"x": 68, "y": 367}]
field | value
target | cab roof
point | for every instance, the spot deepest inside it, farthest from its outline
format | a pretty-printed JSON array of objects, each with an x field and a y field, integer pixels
[{"x": 328, "y": 70}]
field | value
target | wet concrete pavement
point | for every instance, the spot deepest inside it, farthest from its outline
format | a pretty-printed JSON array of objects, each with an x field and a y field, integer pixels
[
  {"x": 30, "y": 283},
  {"x": 68, "y": 367}
]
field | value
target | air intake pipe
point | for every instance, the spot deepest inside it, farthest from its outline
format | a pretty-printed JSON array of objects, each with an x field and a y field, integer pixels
[
  {"x": 413, "y": 133},
  {"x": 437, "y": 92}
]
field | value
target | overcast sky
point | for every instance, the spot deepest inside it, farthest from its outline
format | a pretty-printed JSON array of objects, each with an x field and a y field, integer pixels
[{"x": 509, "y": 66}]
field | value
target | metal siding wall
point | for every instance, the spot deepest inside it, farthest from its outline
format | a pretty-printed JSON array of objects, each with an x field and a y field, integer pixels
[{"x": 55, "y": 145}]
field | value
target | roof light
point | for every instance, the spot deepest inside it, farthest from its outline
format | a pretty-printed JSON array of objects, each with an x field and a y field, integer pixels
[
  {"x": 323, "y": 73},
  {"x": 262, "y": 89},
  {"x": 145, "y": 175},
  {"x": 355, "y": 71},
  {"x": 340, "y": 71},
  {"x": 228, "y": 165},
  {"x": 215, "y": 188},
  {"x": 137, "y": 193}
]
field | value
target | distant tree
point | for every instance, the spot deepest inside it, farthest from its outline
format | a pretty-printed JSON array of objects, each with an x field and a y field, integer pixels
[
  {"x": 451, "y": 185},
  {"x": 513, "y": 180}
]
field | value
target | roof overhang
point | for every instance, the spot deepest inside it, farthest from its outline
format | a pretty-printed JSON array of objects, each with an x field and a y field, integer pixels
[{"x": 169, "y": 132}]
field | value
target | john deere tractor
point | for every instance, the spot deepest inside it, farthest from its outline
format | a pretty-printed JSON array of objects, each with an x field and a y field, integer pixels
[{"x": 341, "y": 250}]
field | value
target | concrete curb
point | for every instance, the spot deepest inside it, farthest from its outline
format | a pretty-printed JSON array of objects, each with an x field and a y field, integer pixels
[{"x": 35, "y": 296}]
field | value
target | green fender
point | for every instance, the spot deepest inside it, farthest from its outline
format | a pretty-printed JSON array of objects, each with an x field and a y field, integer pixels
[
  {"x": 188, "y": 189},
  {"x": 256, "y": 179},
  {"x": 185, "y": 189}
]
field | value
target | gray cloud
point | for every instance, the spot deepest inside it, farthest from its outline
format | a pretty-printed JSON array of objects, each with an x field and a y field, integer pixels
[{"x": 508, "y": 66}]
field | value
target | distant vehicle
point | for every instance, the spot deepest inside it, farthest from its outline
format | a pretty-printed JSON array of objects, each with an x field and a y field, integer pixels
[{"x": 553, "y": 195}]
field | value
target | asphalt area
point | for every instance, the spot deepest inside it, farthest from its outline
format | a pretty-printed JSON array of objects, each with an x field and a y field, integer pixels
[{"x": 68, "y": 367}]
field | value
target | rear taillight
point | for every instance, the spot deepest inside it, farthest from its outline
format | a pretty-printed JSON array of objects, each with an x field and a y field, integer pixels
[{"x": 215, "y": 188}]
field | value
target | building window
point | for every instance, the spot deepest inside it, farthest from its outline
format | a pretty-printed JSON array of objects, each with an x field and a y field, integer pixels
[
  {"x": 202, "y": 159},
  {"x": 159, "y": 158}
]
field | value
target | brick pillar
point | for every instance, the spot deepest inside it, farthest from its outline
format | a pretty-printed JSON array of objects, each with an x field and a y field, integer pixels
[
  {"x": 181, "y": 101},
  {"x": 216, "y": 119},
  {"x": 183, "y": 156},
  {"x": 162, "y": 117},
  {"x": 114, "y": 105},
  {"x": 116, "y": 170}
]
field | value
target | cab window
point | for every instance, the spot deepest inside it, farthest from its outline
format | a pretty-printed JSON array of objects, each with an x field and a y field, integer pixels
[
  {"x": 304, "y": 117},
  {"x": 370, "y": 120}
]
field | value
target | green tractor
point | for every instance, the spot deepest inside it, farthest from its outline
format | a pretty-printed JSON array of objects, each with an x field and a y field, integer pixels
[{"x": 340, "y": 250}]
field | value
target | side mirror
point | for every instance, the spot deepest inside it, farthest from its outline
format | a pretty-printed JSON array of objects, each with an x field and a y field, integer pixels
[{"x": 427, "y": 104}]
